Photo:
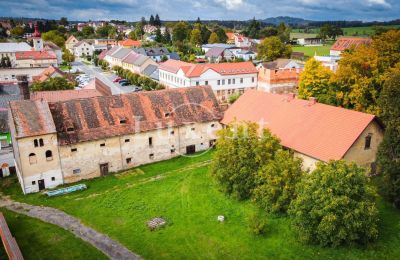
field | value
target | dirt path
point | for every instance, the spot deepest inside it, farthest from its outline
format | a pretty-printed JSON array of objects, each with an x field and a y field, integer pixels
[{"x": 105, "y": 244}]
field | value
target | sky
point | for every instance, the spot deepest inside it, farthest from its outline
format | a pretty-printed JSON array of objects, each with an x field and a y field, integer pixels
[{"x": 133, "y": 10}]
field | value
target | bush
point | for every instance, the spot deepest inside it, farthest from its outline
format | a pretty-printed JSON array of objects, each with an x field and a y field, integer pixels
[
  {"x": 257, "y": 223},
  {"x": 335, "y": 206}
]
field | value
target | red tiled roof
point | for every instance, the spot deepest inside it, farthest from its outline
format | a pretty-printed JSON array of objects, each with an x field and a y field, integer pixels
[
  {"x": 102, "y": 55},
  {"x": 344, "y": 43},
  {"x": 230, "y": 35},
  {"x": 34, "y": 55},
  {"x": 64, "y": 95},
  {"x": 317, "y": 130},
  {"x": 130, "y": 43},
  {"x": 195, "y": 70},
  {"x": 47, "y": 73}
]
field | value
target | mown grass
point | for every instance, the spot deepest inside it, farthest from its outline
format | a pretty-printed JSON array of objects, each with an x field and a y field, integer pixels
[
  {"x": 182, "y": 191},
  {"x": 39, "y": 240},
  {"x": 310, "y": 51}
]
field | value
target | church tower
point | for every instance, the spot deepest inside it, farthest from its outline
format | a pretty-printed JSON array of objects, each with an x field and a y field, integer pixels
[{"x": 37, "y": 39}]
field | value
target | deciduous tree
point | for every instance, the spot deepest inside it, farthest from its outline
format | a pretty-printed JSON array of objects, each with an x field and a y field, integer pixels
[
  {"x": 272, "y": 48},
  {"x": 213, "y": 38},
  {"x": 195, "y": 37},
  {"x": 56, "y": 83}
]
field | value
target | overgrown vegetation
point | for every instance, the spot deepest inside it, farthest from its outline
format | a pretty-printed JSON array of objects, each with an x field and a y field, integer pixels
[{"x": 56, "y": 83}]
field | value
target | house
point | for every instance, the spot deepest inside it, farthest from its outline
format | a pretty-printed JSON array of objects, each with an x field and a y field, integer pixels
[
  {"x": 8, "y": 49},
  {"x": 246, "y": 55},
  {"x": 225, "y": 79},
  {"x": 313, "y": 131},
  {"x": 107, "y": 42},
  {"x": 9, "y": 75},
  {"x": 70, "y": 43},
  {"x": 309, "y": 41},
  {"x": 279, "y": 76},
  {"x": 156, "y": 53},
  {"x": 116, "y": 55},
  {"x": 218, "y": 54},
  {"x": 129, "y": 43},
  {"x": 330, "y": 62},
  {"x": 344, "y": 43},
  {"x": 83, "y": 48},
  {"x": 242, "y": 41},
  {"x": 209, "y": 46},
  {"x": 51, "y": 47},
  {"x": 137, "y": 63},
  {"x": 150, "y": 29},
  {"x": 50, "y": 72},
  {"x": 35, "y": 59},
  {"x": 67, "y": 141},
  {"x": 230, "y": 38}
]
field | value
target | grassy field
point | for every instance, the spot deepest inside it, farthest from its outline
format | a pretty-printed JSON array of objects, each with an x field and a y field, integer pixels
[
  {"x": 39, "y": 240},
  {"x": 351, "y": 31},
  {"x": 182, "y": 191},
  {"x": 310, "y": 51}
]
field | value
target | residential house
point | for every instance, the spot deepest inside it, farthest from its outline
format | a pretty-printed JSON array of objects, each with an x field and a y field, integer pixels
[
  {"x": 50, "y": 72},
  {"x": 230, "y": 38},
  {"x": 279, "y": 76},
  {"x": 83, "y": 48},
  {"x": 313, "y": 131},
  {"x": 137, "y": 63},
  {"x": 246, "y": 55},
  {"x": 116, "y": 55},
  {"x": 107, "y": 42},
  {"x": 8, "y": 49},
  {"x": 129, "y": 43},
  {"x": 150, "y": 29},
  {"x": 309, "y": 41},
  {"x": 225, "y": 79},
  {"x": 35, "y": 59},
  {"x": 67, "y": 141},
  {"x": 218, "y": 54},
  {"x": 70, "y": 43},
  {"x": 344, "y": 43},
  {"x": 242, "y": 41},
  {"x": 209, "y": 46},
  {"x": 156, "y": 53},
  {"x": 51, "y": 47}
]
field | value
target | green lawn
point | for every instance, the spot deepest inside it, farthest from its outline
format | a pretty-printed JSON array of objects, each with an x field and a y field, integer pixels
[
  {"x": 39, "y": 240},
  {"x": 182, "y": 191},
  {"x": 310, "y": 51},
  {"x": 350, "y": 31}
]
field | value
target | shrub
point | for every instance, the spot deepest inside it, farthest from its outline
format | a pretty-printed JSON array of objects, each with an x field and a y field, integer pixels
[
  {"x": 335, "y": 206},
  {"x": 257, "y": 223}
]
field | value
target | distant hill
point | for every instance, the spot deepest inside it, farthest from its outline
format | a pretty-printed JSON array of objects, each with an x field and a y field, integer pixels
[{"x": 286, "y": 20}]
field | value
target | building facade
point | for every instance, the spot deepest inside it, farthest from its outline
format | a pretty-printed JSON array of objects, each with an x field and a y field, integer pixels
[{"x": 67, "y": 141}]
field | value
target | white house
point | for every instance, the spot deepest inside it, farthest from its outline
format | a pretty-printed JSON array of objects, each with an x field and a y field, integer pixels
[
  {"x": 83, "y": 48},
  {"x": 246, "y": 55},
  {"x": 225, "y": 79}
]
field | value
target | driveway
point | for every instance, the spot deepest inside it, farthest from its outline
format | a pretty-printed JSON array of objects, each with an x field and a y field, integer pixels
[{"x": 106, "y": 77}]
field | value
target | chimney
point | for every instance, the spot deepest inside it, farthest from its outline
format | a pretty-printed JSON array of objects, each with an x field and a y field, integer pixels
[
  {"x": 312, "y": 101},
  {"x": 23, "y": 86}
]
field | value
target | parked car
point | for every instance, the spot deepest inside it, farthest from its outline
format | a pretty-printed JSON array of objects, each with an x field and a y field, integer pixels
[
  {"x": 137, "y": 89},
  {"x": 125, "y": 83},
  {"x": 117, "y": 79}
]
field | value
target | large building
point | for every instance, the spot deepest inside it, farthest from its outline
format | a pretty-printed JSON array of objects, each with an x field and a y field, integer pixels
[
  {"x": 225, "y": 79},
  {"x": 67, "y": 141},
  {"x": 35, "y": 59},
  {"x": 313, "y": 131},
  {"x": 8, "y": 49},
  {"x": 344, "y": 43}
]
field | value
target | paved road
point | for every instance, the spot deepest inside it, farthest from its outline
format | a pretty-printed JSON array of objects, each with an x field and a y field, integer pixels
[{"x": 106, "y": 77}]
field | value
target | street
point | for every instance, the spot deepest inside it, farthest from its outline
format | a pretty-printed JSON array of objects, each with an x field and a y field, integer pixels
[{"x": 106, "y": 77}]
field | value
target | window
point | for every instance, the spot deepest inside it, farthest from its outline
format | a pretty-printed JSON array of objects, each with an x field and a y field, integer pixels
[
  {"x": 102, "y": 144},
  {"x": 206, "y": 82},
  {"x": 212, "y": 125},
  {"x": 172, "y": 132},
  {"x": 218, "y": 82},
  {"x": 172, "y": 150},
  {"x": 151, "y": 141},
  {"x": 193, "y": 128},
  {"x": 167, "y": 114},
  {"x": 32, "y": 158},
  {"x": 223, "y": 82},
  {"x": 53, "y": 178},
  {"x": 229, "y": 81},
  {"x": 151, "y": 156},
  {"x": 127, "y": 140},
  {"x": 49, "y": 155},
  {"x": 197, "y": 83},
  {"x": 76, "y": 171},
  {"x": 368, "y": 139},
  {"x": 233, "y": 81},
  {"x": 252, "y": 79},
  {"x": 41, "y": 142},
  {"x": 33, "y": 182},
  {"x": 74, "y": 149},
  {"x": 128, "y": 160},
  {"x": 241, "y": 80},
  {"x": 122, "y": 121},
  {"x": 35, "y": 143}
]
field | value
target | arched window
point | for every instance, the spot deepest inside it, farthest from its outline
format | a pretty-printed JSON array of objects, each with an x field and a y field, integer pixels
[
  {"x": 41, "y": 142},
  {"x": 35, "y": 142},
  {"x": 49, "y": 155},
  {"x": 32, "y": 158}
]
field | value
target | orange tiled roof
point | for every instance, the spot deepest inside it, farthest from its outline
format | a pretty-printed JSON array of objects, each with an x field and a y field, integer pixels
[
  {"x": 47, "y": 73},
  {"x": 344, "y": 43},
  {"x": 317, "y": 130},
  {"x": 130, "y": 43},
  {"x": 34, "y": 55},
  {"x": 64, "y": 95},
  {"x": 195, "y": 70},
  {"x": 230, "y": 35}
]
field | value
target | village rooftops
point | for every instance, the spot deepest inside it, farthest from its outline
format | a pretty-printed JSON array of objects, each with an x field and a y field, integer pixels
[
  {"x": 63, "y": 95},
  {"x": 129, "y": 43},
  {"x": 86, "y": 119},
  {"x": 34, "y": 55},
  {"x": 344, "y": 43},
  {"x": 135, "y": 58},
  {"x": 277, "y": 64},
  {"x": 14, "y": 46},
  {"x": 121, "y": 53},
  {"x": 192, "y": 70},
  {"x": 219, "y": 45},
  {"x": 317, "y": 130},
  {"x": 48, "y": 73}
]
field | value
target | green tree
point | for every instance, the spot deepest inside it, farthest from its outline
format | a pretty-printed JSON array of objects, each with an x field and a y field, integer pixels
[
  {"x": 180, "y": 31},
  {"x": 166, "y": 39},
  {"x": 284, "y": 32},
  {"x": 56, "y": 83},
  {"x": 268, "y": 32},
  {"x": 316, "y": 81},
  {"x": 157, "y": 21},
  {"x": 240, "y": 153},
  {"x": 138, "y": 31},
  {"x": 151, "y": 20},
  {"x": 17, "y": 32},
  {"x": 159, "y": 37},
  {"x": 272, "y": 48},
  {"x": 54, "y": 36},
  {"x": 213, "y": 38},
  {"x": 195, "y": 37},
  {"x": 276, "y": 182},
  {"x": 87, "y": 31},
  {"x": 64, "y": 21},
  {"x": 253, "y": 29},
  {"x": 335, "y": 206},
  {"x": 389, "y": 150},
  {"x": 104, "y": 31},
  {"x": 68, "y": 57},
  {"x": 132, "y": 35},
  {"x": 221, "y": 35}
]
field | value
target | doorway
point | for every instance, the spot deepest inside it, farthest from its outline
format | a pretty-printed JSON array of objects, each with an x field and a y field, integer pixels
[
  {"x": 190, "y": 149},
  {"x": 104, "y": 169},
  {"x": 41, "y": 185}
]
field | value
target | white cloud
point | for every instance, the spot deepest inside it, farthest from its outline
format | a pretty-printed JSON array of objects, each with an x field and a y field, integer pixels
[
  {"x": 378, "y": 2},
  {"x": 231, "y": 4}
]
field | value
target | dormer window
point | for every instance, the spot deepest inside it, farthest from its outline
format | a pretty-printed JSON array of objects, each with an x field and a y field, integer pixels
[
  {"x": 70, "y": 129},
  {"x": 122, "y": 121}
]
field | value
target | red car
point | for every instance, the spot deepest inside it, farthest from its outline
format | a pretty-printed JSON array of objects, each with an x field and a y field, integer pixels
[{"x": 117, "y": 79}]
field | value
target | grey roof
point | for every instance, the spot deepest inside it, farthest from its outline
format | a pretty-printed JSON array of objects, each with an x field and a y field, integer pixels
[
  {"x": 121, "y": 53},
  {"x": 135, "y": 59},
  {"x": 174, "y": 56},
  {"x": 7, "y": 93},
  {"x": 51, "y": 45},
  {"x": 246, "y": 52},
  {"x": 158, "y": 51},
  {"x": 218, "y": 51},
  {"x": 276, "y": 64},
  {"x": 219, "y": 45},
  {"x": 14, "y": 46},
  {"x": 150, "y": 70}
]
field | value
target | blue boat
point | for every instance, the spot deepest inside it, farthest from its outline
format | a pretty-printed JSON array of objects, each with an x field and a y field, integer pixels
[{"x": 66, "y": 190}]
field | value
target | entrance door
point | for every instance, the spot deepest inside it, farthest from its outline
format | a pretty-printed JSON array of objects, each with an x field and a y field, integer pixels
[
  {"x": 41, "y": 185},
  {"x": 190, "y": 149},
  {"x": 104, "y": 169},
  {"x": 1, "y": 173}
]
